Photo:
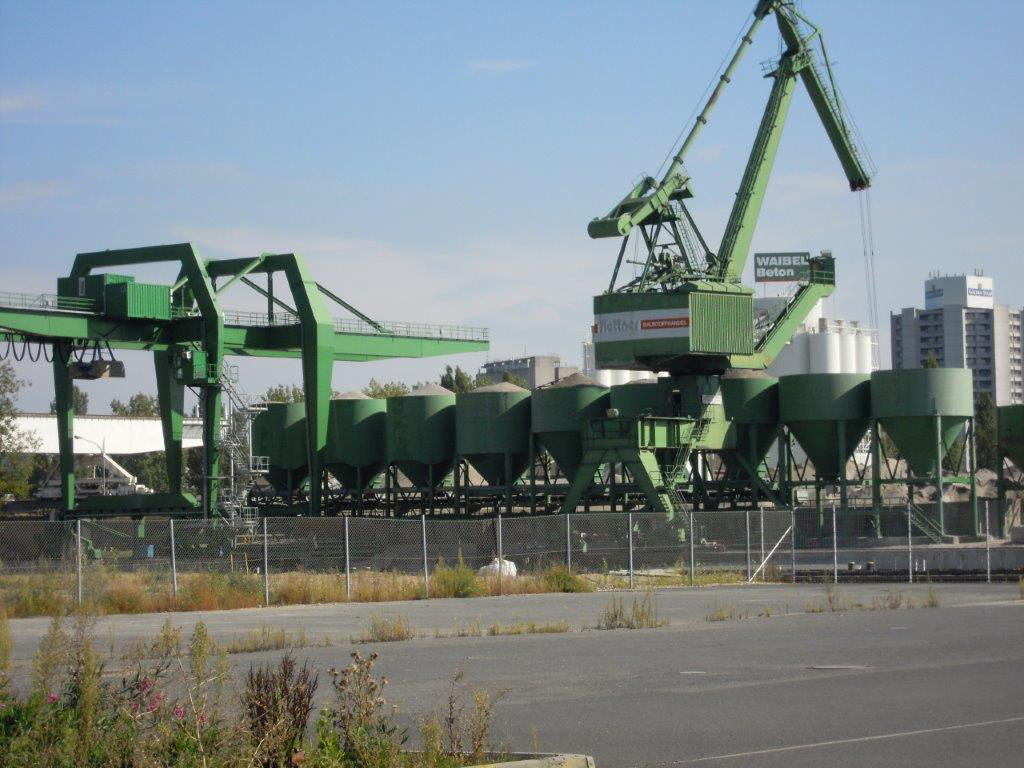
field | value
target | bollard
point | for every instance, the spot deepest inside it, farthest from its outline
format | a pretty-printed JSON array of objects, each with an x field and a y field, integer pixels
[{"x": 174, "y": 562}]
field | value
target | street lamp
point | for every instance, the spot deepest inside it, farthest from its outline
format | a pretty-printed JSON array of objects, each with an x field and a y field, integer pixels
[{"x": 103, "y": 460}]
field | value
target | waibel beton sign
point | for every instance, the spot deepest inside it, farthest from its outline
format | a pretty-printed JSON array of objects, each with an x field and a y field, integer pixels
[{"x": 781, "y": 267}]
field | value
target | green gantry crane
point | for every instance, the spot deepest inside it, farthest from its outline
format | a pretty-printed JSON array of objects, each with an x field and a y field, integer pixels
[
  {"x": 190, "y": 334},
  {"x": 686, "y": 312}
]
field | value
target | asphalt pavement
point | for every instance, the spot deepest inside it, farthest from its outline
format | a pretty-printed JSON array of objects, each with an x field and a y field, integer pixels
[{"x": 787, "y": 685}]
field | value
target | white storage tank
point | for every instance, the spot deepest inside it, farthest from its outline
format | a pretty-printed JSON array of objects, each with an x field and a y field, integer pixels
[
  {"x": 865, "y": 352},
  {"x": 793, "y": 358},
  {"x": 825, "y": 354},
  {"x": 848, "y": 353}
]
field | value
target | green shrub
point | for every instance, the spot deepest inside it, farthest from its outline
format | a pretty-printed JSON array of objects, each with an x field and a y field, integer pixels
[{"x": 558, "y": 578}]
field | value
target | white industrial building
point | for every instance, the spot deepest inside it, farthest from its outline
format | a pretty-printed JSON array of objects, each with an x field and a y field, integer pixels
[{"x": 961, "y": 326}]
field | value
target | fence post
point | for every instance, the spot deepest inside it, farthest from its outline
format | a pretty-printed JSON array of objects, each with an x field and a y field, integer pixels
[
  {"x": 426, "y": 568},
  {"x": 988, "y": 548},
  {"x": 78, "y": 558},
  {"x": 348, "y": 566},
  {"x": 629, "y": 522},
  {"x": 792, "y": 542},
  {"x": 761, "y": 559},
  {"x": 910, "y": 546},
  {"x": 693, "y": 558},
  {"x": 266, "y": 567},
  {"x": 568, "y": 542},
  {"x": 835, "y": 548},
  {"x": 174, "y": 562},
  {"x": 501, "y": 557},
  {"x": 748, "y": 544}
]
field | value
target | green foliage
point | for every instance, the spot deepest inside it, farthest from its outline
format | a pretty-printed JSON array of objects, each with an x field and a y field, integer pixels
[
  {"x": 79, "y": 402},
  {"x": 286, "y": 393},
  {"x": 139, "y": 404},
  {"x": 986, "y": 434},
  {"x": 16, "y": 462},
  {"x": 558, "y": 578},
  {"x": 385, "y": 389},
  {"x": 457, "y": 380},
  {"x": 932, "y": 361},
  {"x": 460, "y": 581},
  {"x": 511, "y": 378}
]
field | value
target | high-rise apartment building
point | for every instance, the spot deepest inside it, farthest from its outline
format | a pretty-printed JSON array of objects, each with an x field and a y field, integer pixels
[{"x": 961, "y": 326}]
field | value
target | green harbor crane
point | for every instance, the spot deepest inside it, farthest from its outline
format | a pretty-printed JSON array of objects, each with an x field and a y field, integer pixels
[
  {"x": 190, "y": 334},
  {"x": 686, "y": 312}
]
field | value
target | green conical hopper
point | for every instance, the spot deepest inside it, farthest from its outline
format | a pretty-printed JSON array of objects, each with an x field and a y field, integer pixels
[
  {"x": 421, "y": 433},
  {"x": 906, "y": 401},
  {"x": 1011, "y": 432},
  {"x": 557, "y": 415},
  {"x": 750, "y": 397},
  {"x": 279, "y": 433},
  {"x": 812, "y": 405},
  {"x": 492, "y": 423},
  {"x": 356, "y": 449}
]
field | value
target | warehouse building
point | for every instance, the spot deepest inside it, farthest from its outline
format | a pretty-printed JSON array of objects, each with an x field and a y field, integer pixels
[
  {"x": 535, "y": 370},
  {"x": 961, "y": 326}
]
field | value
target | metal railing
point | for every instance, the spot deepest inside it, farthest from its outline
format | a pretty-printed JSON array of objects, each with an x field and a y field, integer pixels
[{"x": 48, "y": 301}]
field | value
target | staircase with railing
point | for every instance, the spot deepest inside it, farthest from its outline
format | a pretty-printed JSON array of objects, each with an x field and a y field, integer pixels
[{"x": 240, "y": 408}]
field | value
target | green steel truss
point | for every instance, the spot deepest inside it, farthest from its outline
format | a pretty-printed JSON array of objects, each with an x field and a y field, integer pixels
[{"x": 190, "y": 347}]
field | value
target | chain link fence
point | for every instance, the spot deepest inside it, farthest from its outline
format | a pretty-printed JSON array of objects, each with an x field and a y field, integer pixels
[{"x": 86, "y": 557}]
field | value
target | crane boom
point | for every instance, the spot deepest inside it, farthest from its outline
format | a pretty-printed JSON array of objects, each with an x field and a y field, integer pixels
[{"x": 798, "y": 61}]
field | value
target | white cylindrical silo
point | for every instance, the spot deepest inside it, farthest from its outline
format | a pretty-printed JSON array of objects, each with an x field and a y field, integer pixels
[
  {"x": 793, "y": 358},
  {"x": 824, "y": 353},
  {"x": 865, "y": 356},
  {"x": 848, "y": 352},
  {"x": 605, "y": 377}
]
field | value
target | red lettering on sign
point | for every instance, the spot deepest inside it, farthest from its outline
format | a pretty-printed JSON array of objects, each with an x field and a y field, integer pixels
[{"x": 664, "y": 322}]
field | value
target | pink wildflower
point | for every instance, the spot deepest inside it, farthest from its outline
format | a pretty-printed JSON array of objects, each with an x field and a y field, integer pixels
[
  {"x": 179, "y": 712},
  {"x": 146, "y": 684},
  {"x": 52, "y": 697},
  {"x": 202, "y": 718}
]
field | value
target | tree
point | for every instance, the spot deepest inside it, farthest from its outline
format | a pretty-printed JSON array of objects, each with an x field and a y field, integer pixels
[
  {"x": 985, "y": 435},
  {"x": 16, "y": 461},
  {"x": 511, "y": 378},
  {"x": 79, "y": 402},
  {"x": 149, "y": 468},
  {"x": 457, "y": 380},
  {"x": 385, "y": 389},
  {"x": 139, "y": 404},
  {"x": 286, "y": 393},
  {"x": 932, "y": 361}
]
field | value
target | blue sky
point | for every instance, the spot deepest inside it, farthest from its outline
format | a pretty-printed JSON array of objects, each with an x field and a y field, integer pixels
[{"x": 440, "y": 161}]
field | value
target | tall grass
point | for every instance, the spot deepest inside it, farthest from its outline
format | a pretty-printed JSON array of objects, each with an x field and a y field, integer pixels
[{"x": 107, "y": 590}]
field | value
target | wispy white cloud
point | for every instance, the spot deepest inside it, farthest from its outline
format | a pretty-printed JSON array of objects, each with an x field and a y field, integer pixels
[
  {"x": 13, "y": 103},
  {"x": 499, "y": 66},
  {"x": 21, "y": 192}
]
